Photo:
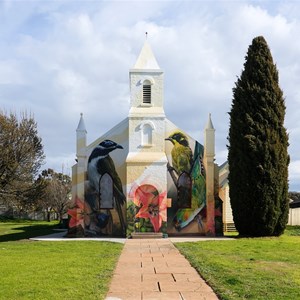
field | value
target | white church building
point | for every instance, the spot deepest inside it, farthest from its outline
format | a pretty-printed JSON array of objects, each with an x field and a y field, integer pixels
[{"x": 145, "y": 175}]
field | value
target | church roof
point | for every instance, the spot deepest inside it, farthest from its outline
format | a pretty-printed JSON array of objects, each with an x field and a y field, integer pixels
[{"x": 146, "y": 59}]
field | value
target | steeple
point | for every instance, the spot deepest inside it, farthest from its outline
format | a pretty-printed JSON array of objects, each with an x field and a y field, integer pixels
[
  {"x": 146, "y": 59},
  {"x": 209, "y": 138},
  {"x": 81, "y": 125},
  {"x": 146, "y": 161},
  {"x": 209, "y": 124},
  {"x": 209, "y": 157},
  {"x": 81, "y": 134},
  {"x": 79, "y": 170},
  {"x": 146, "y": 85}
]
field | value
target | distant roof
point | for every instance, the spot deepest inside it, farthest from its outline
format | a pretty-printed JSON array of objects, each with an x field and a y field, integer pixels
[
  {"x": 223, "y": 174},
  {"x": 223, "y": 182},
  {"x": 295, "y": 204},
  {"x": 223, "y": 165},
  {"x": 146, "y": 59}
]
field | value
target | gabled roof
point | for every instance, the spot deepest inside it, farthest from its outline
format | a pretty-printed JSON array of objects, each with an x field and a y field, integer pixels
[
  {"x": 223, "y": 165},
  {"x": 223, "y": 174},
  {"x": 146, "y": 59}
]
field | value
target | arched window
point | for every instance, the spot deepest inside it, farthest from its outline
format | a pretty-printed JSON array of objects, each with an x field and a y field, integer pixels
[
  {"x": 146, "y": 135},
  {"x": 147, "y": 92},
  {"x": 146, "y": 129},
  {"x": 106, "y": 186}
]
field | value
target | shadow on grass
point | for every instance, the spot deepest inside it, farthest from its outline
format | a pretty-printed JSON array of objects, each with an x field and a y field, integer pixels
[
  {"x": 289, "y": 231},
  {"x": 28, "y": 232}
]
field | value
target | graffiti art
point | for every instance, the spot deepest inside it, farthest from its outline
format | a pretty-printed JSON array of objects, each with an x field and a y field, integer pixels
[
  {"x": 103, "y": 192},
  {"x": 188, "y": 175}
]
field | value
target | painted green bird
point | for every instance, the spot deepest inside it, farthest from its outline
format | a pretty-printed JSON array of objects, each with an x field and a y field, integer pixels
[
  {"x": 182, "y": 156},
  {"x": 190, "y": 170}
]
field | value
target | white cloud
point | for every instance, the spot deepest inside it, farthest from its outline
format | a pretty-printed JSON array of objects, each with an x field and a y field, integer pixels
[{"x": 294, "y": 175}]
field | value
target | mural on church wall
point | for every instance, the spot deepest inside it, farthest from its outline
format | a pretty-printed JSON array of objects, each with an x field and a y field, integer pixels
[
  {"x": 101, "y": 210},
  {"x": 148, "y": 210},
  {"x": 79, "y": 215},
  {"x": 187, "y": 185},
  {"x": 178, "y": 207}
]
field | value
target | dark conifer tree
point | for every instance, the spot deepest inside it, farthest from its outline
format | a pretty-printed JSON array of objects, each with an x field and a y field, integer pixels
[{"x": 258, "y": 142}]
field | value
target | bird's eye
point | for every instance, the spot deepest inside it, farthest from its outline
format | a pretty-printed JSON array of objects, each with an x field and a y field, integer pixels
[{"x": 108, "y": 143}]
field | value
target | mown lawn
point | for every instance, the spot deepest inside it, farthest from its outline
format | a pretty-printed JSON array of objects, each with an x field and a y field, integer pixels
[
  {"x": 249, "y": 268},
  {"x": 15, "y": 230},
  {"x": 53, "y": 270},
  {"x": 245, "y": 268}
]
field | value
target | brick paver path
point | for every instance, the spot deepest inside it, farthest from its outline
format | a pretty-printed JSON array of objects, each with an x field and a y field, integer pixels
[{"x": 155, "y": 269}]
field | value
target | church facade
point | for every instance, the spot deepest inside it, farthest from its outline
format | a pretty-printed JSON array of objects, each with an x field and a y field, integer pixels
[{"x": 145, "y": 175}]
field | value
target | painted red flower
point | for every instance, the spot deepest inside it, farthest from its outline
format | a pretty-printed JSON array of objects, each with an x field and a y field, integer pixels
[
  {"x": 153, "y": 205},
  {"x": 79, "y": 214}
]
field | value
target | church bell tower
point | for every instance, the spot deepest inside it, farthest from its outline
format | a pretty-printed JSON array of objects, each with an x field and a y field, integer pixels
[{"x": 146, "y": 161}]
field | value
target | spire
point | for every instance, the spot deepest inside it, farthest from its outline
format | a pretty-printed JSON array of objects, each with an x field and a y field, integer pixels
[
  {"x": 209, "y": 138},
  {"x": 209, "y": 124},
  {"x": 81, "y": 125},
  {"x": 146, "y": 59}
]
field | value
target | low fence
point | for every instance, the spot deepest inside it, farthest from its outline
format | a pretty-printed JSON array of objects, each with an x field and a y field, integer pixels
[
  {"x": 294, "y": 216},
  {"x": 34, "y": 215}
]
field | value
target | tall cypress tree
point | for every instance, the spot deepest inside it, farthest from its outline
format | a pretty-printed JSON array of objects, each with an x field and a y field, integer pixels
[{"x": 258, "y": 158}]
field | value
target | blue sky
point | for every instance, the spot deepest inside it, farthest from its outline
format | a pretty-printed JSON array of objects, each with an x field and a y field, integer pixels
[{"x": 61, "y": 58}]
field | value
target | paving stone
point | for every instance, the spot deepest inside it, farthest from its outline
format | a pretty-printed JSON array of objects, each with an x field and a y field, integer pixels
[
  {"x": 130, "y": 264},
  {"x": 182, "y": 270},
  {"x": 195, "y": 277},
  {"x": 124, "y": 296},
  {"x": 157, "y": 277},
  {"x": 148, "y": 269},
  {"x": 147, "y": 259},
  {"x": 179, "y": 286},
  {"x": 157, "y": 254},
  {"x": 198, "y": 296},
  {"x": 153, "y": 264},
  {"x": 161, "y": 296},
  {"x": 178, "y": 264},
  {"x": 133, "y": 286}
]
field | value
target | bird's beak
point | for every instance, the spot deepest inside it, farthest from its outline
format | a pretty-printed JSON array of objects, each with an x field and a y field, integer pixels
[
  {"x": 119, "y": 146},
  {"x": 169, "y": 139}
]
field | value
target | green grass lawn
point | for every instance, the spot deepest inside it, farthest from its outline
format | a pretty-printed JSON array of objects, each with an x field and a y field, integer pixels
[
  {"x": 249, "y": 268},
  {"x": 52, "y": 270},
  {"x": 15, "y": 230},
  {"x": 245, "y": 268}
]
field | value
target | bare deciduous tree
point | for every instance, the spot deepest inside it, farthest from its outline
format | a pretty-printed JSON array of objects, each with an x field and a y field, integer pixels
[
  {"x": 56, "y": 195},
  {"x": 21, "y": 156}
]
